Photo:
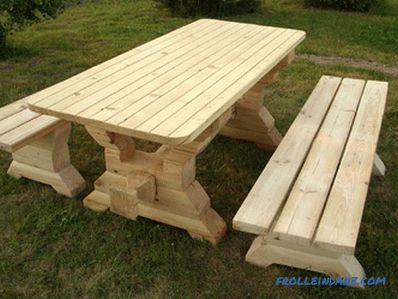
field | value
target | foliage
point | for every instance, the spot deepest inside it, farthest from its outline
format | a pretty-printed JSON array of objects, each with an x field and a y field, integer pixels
[
  {"x": 353, "y": 5},
  {"x": 2, "y": 36},
  {"x": 20, "y": 12},
  {"x": 211, "y": 7}
]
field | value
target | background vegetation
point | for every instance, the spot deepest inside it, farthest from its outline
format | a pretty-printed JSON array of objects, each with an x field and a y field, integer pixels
[
  {"x": 51, "y": 247},
  {"x": 22, "y": 12},
  {"x": 211, "y": 7},
  {"x": 354, "y": 5}
]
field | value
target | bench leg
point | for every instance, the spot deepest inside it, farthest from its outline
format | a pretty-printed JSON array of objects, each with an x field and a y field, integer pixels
[
  {"x": 379, "y": 169},
  {"x": 160, "y": 186},
  {"x": 47, "y": 161},
  {"x": 265, "y": 253},
  {"x": 252, "y": 121}
]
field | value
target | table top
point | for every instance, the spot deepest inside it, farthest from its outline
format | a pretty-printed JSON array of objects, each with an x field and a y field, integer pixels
[{"x": 172, "y": 88}]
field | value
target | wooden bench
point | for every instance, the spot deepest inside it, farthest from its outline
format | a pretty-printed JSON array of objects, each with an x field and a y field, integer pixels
[
  {"x": 307, "y": 204},
  {"x": 38, "y": 144}
]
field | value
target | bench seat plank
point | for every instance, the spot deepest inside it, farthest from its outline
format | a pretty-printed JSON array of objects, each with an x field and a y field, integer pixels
[
  {"x": 14, "y": 121},
  {"x": 302, "y": 211},
  {"x": 269, "y": 192},
  {"x": 339, "y": 226},
  {"x": 12, "y": 109},
  {"x": 20, "y": 135}
]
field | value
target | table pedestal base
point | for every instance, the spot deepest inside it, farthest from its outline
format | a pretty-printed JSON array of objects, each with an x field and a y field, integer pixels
[{"x": 160, "y": 186}]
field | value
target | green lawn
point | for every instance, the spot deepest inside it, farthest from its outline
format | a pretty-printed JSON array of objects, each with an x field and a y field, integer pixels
[{"x": 52, "y": 247}]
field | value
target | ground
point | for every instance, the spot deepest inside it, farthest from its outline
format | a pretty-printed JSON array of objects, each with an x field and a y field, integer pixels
[{"x": 52, "y": 247}]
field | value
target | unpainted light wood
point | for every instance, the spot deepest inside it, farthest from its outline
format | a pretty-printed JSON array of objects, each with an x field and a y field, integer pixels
[
  {"x": 142, "y": 98},
  {"x": 38, "y": 144},
  {"x": 12, "y": 109},
  {"x": 126, "y": 58},
  {"x": 304, "y": 233},
  {"x": 171, "y": 90},
  {"x": 259, "y": 209},
  {"x": 140, "y": 77},
  {"x": 252, "y": 121},
  {"x": 339, "y": 226},
  {"x": 47, "y": 160},
  {"x": 188, "y": 121},
  {"x": 163, "y": 108},
  {"x": 29, "y": 132},
  {"x": 160, "y": 186},
  {"x": 19, "y": 126},
  {"x": 264, "y": 254},
  {"x": 303, "y": 208}
]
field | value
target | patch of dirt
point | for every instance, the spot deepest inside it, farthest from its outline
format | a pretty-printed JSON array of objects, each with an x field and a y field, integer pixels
[{"x": 358, "y": 63}]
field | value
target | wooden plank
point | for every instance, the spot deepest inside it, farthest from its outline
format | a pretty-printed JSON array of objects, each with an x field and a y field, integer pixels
[
  {"x": 27, "y": 132},
  {"x": 115, "y": 77},
  {"x": 233, "y": 86},
  {"x": 170, "y": 113},
  {"x": 141, "y": 75},
  {"x": 12, "y": 109},
  {"x": 202, "y": 62},
  {"x": 139, "y": 53},
  {"x": 16, "y": 120},
  {"x": 159, "y": 88},
  {"x": 302, "y": 211},
  {"x": 257, "y": 212},
  {"x": 339, "y": 225}
]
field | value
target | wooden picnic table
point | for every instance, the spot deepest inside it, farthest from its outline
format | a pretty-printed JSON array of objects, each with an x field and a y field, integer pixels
[{"x": 179, "y": 90}]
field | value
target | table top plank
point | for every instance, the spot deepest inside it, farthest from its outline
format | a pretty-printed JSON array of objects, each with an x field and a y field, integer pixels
[
  {"x": 186, "y": 106},
  {"x": 113, "y": 78},
  {"x": 203, "y": 79},
  {"x": 238, "y": 82},
  {"x": 144, "y": 92},
  {"x": 167, "y": 76},
  {"x": 135, "y": 54}
]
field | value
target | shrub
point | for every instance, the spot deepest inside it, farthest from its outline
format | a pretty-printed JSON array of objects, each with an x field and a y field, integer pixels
[
  {"x": 353, "y": 5},
  {"x": 2, "y": 37},
  {"x": 211, "y": 7},
  {"x": 20, "y": 12}
]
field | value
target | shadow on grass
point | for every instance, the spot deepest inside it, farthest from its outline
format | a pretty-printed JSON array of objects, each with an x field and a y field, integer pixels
[{"x": 12, "y": 52}]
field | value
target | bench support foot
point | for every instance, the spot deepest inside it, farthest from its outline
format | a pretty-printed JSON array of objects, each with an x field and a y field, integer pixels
[
  {"x": 160, "y": 186},
  {"x": 47, "y": 160},
  {"x": 264, "y": 253}
]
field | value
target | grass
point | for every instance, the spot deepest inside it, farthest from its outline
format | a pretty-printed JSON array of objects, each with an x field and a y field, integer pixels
[{"x": 51, "y": 247}]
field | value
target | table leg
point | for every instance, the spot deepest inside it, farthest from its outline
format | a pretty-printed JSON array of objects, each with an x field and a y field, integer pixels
[
  {"x": 252, "y": 121},
  {"x": 47, "y": 160},
  {"x": 159, "y": 186}
]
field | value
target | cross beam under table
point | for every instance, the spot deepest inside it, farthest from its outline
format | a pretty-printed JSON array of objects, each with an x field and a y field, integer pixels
[{"x": 161, "y": 185}]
